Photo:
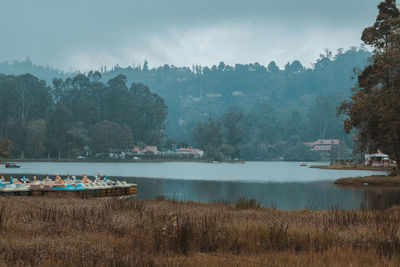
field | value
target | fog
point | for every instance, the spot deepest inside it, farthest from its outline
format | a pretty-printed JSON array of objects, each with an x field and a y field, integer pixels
[{"x": 82, "y": 35}]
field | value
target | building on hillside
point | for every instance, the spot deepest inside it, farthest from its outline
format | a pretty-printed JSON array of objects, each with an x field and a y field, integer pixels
[
  {"x": 147, "y": 149},
  {"x": 190, "y": 151},
  {"x": 322, "y": 144},
  {"x": 325, "y": 149},
  {"x": 378, "y": 159}
]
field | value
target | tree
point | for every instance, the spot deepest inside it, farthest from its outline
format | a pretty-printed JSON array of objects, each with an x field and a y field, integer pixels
[
  {"x": 77, "y": 138},
  {"x": 147, "y": 112},
  {"x": 126, "y": 137},
  {"x": 207, "y": 136},
  {"x": 374, "y": 108},
  {"x": 28, "y": 97},
  {"x": 36, "y": 138},
  {"x": 227, "y": 150},
  {"x": 106, "y": 136},
  {"x": 294, "y": 67},
  {"x": 22, "y": 98},
  {"x": 6, "y": 148},
  {"x": 59, "y": 122},
  {"x": 234, "y": 134},
  {"x": 272, "y": 67},
  {"x": 145, "y": 66}
]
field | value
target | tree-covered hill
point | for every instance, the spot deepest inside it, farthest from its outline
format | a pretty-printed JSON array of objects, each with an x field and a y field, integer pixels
[
  {"x": 281, "y": 107},
  {"x": 27, "y": 66},
  {"x": 194, "y": 94}
]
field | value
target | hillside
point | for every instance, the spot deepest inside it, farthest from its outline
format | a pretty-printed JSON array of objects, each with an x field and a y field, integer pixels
[{"x": 294, "y": 104}]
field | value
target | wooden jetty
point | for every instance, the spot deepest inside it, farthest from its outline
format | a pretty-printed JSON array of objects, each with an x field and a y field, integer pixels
[{"x": 115, "y": 191}]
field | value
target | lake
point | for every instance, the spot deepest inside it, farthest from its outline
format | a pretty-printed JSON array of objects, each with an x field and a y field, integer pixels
[{"x": 284, "y": 185}]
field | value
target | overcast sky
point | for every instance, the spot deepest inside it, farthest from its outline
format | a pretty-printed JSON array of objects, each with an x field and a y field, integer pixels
[{"x": 85, "y": 34}]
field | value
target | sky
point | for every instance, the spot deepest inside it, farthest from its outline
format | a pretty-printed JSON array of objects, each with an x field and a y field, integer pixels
[{"x": 86, "y": 34}]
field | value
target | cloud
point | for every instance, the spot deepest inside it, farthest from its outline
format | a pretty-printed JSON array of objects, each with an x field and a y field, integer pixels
[
  {"x": 229, "y": 42},
  {"x": 86, "y": 34}
]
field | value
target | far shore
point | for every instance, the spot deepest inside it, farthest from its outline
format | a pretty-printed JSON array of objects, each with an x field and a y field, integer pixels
[
  {"x": 146, "y": 160},
  {"x": 360, "y": 167},
  {"x": 112, "y": 160}
]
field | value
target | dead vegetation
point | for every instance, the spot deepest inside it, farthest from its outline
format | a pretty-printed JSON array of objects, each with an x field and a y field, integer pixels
[
  {"x": 122, "y": 232},
  {"x": 369, "y": 181}
]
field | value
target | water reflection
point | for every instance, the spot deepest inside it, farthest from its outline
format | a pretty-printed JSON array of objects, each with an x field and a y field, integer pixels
[
  {"x": 258, "y": 172},
  {"x": 285, "y": 185},
  {"x": 379, "y": 198},
  {"x": 287, "y": 196}
]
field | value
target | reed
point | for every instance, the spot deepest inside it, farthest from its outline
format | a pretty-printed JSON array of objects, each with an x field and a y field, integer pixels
[{"x": 123, "y": 232}]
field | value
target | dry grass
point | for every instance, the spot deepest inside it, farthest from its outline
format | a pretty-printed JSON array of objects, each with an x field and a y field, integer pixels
[
  {"x": 121, "y": 232},
  {"x": 369, "y": 181}
]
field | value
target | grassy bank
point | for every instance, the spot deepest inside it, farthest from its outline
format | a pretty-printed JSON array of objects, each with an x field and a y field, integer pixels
[
  {"x": 115, "y": 232},
  {"x": 370, "y": 181},
  {"x": 351, "y": 167}
]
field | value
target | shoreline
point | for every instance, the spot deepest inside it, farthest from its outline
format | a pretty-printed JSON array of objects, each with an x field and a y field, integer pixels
[
  {"x": 160, "y": 160},
  {"x": 372, "y": 181},
  {"x": 359, "y": 167},
  {"x": 111, "y": 160}
]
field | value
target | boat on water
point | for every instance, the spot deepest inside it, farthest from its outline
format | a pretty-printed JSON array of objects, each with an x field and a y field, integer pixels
[
  {"x": 303, "y": 164},
  {"x": 100, "y": 186},
  {"x": 12, "y": 165}
]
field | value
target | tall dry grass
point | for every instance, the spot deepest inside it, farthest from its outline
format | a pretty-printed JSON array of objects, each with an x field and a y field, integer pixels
[{"x": 122, "y": 232}]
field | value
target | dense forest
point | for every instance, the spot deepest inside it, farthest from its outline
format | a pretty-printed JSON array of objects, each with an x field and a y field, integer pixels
[
  {"x": 78, "y": 112},
  {"x": 252, "y": 111}
]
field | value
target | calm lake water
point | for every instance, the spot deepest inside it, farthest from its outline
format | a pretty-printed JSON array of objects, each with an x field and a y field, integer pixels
[{"x": 284, "y": 185}]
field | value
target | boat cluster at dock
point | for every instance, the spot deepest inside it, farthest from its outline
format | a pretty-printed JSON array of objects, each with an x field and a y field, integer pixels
[{"x": 100, "y": 186}]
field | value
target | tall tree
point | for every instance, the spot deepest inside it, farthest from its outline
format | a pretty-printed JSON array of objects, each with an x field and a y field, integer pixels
[
  {"x": 107, "y": 136},
  {"x": 25, "y": 98},
  {"x": 207, "y": 136},
  {"x": 58, "y": 123},
  {"x": 374, "y": 107},
  {"x": 234, "y": 133}
]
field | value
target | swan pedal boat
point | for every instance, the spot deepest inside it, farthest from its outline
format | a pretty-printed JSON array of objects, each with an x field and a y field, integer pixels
[{"x": 65, "y": 187}]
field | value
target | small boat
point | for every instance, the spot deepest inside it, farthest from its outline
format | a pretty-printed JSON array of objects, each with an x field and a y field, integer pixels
[
  {"x": 303, "y": 164},
  {"x": 12, "y": 165}
]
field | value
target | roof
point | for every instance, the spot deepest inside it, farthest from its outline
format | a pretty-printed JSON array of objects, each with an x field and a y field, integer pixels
[
  {"x": 323, "y": 142},
  {"x": 322, "y": 148},
  {"x": 188, "y": 150}
]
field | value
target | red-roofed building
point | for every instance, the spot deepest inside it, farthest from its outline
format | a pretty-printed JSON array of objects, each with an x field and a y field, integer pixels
[
  {"x": 322, "y": 144},
  {"x": 190, "y": 151},
  {"x": 146, "y": 149}
]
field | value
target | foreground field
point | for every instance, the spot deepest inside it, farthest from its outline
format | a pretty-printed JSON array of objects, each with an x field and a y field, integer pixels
[{"x": 121, "y": 232}]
